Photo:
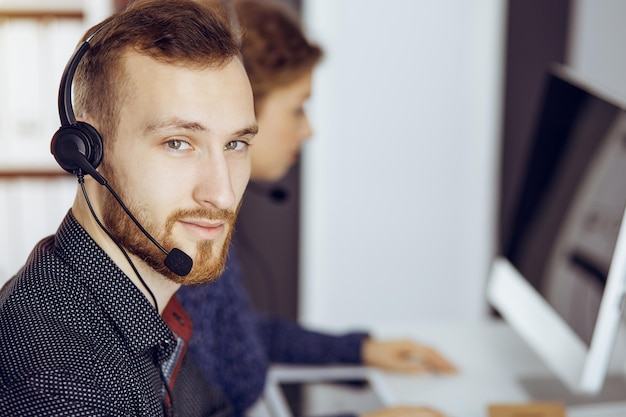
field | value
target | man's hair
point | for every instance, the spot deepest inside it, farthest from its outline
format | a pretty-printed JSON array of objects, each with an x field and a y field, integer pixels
[
  {"x": 180, "y": 32},
  {"x": 275, "y": 49}
]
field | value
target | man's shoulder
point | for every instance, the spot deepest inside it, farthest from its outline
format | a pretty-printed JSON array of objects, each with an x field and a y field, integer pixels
[
  {"x": 45, "y": 283},
  {"x": 42, "y": 328},
  {"x": 56, "y": 344},
  {"x": 46, "y": 315}
]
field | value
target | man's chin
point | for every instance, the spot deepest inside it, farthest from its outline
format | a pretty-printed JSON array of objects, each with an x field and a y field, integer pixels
[
  {"x": 202, "y": 275},
  {"x": 198, "y": 280}
]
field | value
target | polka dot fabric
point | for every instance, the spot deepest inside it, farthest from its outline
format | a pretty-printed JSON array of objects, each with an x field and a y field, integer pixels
[{"x": 77, "y": 338}]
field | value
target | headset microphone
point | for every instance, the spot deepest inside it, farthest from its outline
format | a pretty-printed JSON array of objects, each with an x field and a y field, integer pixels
[
  {"x": 77, "y": 147},
  {"x": 279, "y": 194},
  {"x": 276, "y": 193}
]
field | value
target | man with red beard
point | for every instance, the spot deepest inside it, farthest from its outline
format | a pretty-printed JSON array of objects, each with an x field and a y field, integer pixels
[{"x": 83, "y": 325}]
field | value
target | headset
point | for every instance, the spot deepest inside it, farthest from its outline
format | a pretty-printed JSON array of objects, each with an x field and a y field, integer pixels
[{"x": 76, "y": 146}]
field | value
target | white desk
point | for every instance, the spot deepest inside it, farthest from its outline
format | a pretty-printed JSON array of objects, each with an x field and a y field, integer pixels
[{"x": 495, "y": 366}]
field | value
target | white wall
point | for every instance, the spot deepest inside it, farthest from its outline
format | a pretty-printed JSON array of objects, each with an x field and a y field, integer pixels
[
  {"x": 597, "y": 37},
  {"x": 399, "y": 181}
]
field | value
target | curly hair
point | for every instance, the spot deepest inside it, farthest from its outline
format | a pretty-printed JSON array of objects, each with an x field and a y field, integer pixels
[{"x": 274, "y": 47}]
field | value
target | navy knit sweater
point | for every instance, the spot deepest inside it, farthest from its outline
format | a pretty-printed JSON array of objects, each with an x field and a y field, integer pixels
[{"x": 234, "y": 345}]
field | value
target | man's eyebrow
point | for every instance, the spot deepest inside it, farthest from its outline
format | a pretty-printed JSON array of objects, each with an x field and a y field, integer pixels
[
  {"x": 174, "y": 123},
  {"x": 250, "y": 130}
]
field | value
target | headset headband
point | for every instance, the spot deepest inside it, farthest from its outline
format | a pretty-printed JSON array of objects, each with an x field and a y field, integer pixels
[{"x": 66, "y": 110}]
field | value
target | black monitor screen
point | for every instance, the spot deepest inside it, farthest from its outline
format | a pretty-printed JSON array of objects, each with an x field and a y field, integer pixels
[{"x": 571, "y": 201}]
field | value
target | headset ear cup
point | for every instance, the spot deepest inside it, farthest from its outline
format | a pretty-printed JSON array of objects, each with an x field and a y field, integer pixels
[
  {"x": 95, "y": 156},
  {"x": 81, "y": 136}
]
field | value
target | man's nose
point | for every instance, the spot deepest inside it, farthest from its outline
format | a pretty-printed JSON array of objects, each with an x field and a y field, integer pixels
[{"x": 214, "y": 187}]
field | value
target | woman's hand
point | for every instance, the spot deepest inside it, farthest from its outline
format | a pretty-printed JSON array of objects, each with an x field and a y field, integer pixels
[{"x": 404, "y": 356}]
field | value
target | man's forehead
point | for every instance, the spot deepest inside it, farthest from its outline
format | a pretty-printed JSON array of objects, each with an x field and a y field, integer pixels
[{"x": 140, "y": 70}]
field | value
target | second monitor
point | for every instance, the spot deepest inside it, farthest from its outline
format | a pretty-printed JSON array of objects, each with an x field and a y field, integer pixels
[{"x": 560, "y": 279}]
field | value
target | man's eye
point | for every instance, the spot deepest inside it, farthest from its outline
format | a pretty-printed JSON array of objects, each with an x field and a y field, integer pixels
[
  {"x": 236, "y": 145},
  {"x": 177, "y": 144}
]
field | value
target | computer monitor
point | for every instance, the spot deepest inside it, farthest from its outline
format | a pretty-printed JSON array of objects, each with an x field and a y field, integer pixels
[{"x": 559, "y": 281}]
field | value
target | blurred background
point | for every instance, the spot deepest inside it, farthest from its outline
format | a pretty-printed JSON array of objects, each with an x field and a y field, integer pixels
[{"x": 422, "y": 112}]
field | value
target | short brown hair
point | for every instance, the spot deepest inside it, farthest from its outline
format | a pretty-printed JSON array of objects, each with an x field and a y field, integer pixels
[
  {"x": 181, "y": 32},
  {"x": 275, "y": 49}
]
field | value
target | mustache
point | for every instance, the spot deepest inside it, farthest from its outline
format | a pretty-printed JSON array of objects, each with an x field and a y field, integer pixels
[{"x": 228, "y": 216}]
